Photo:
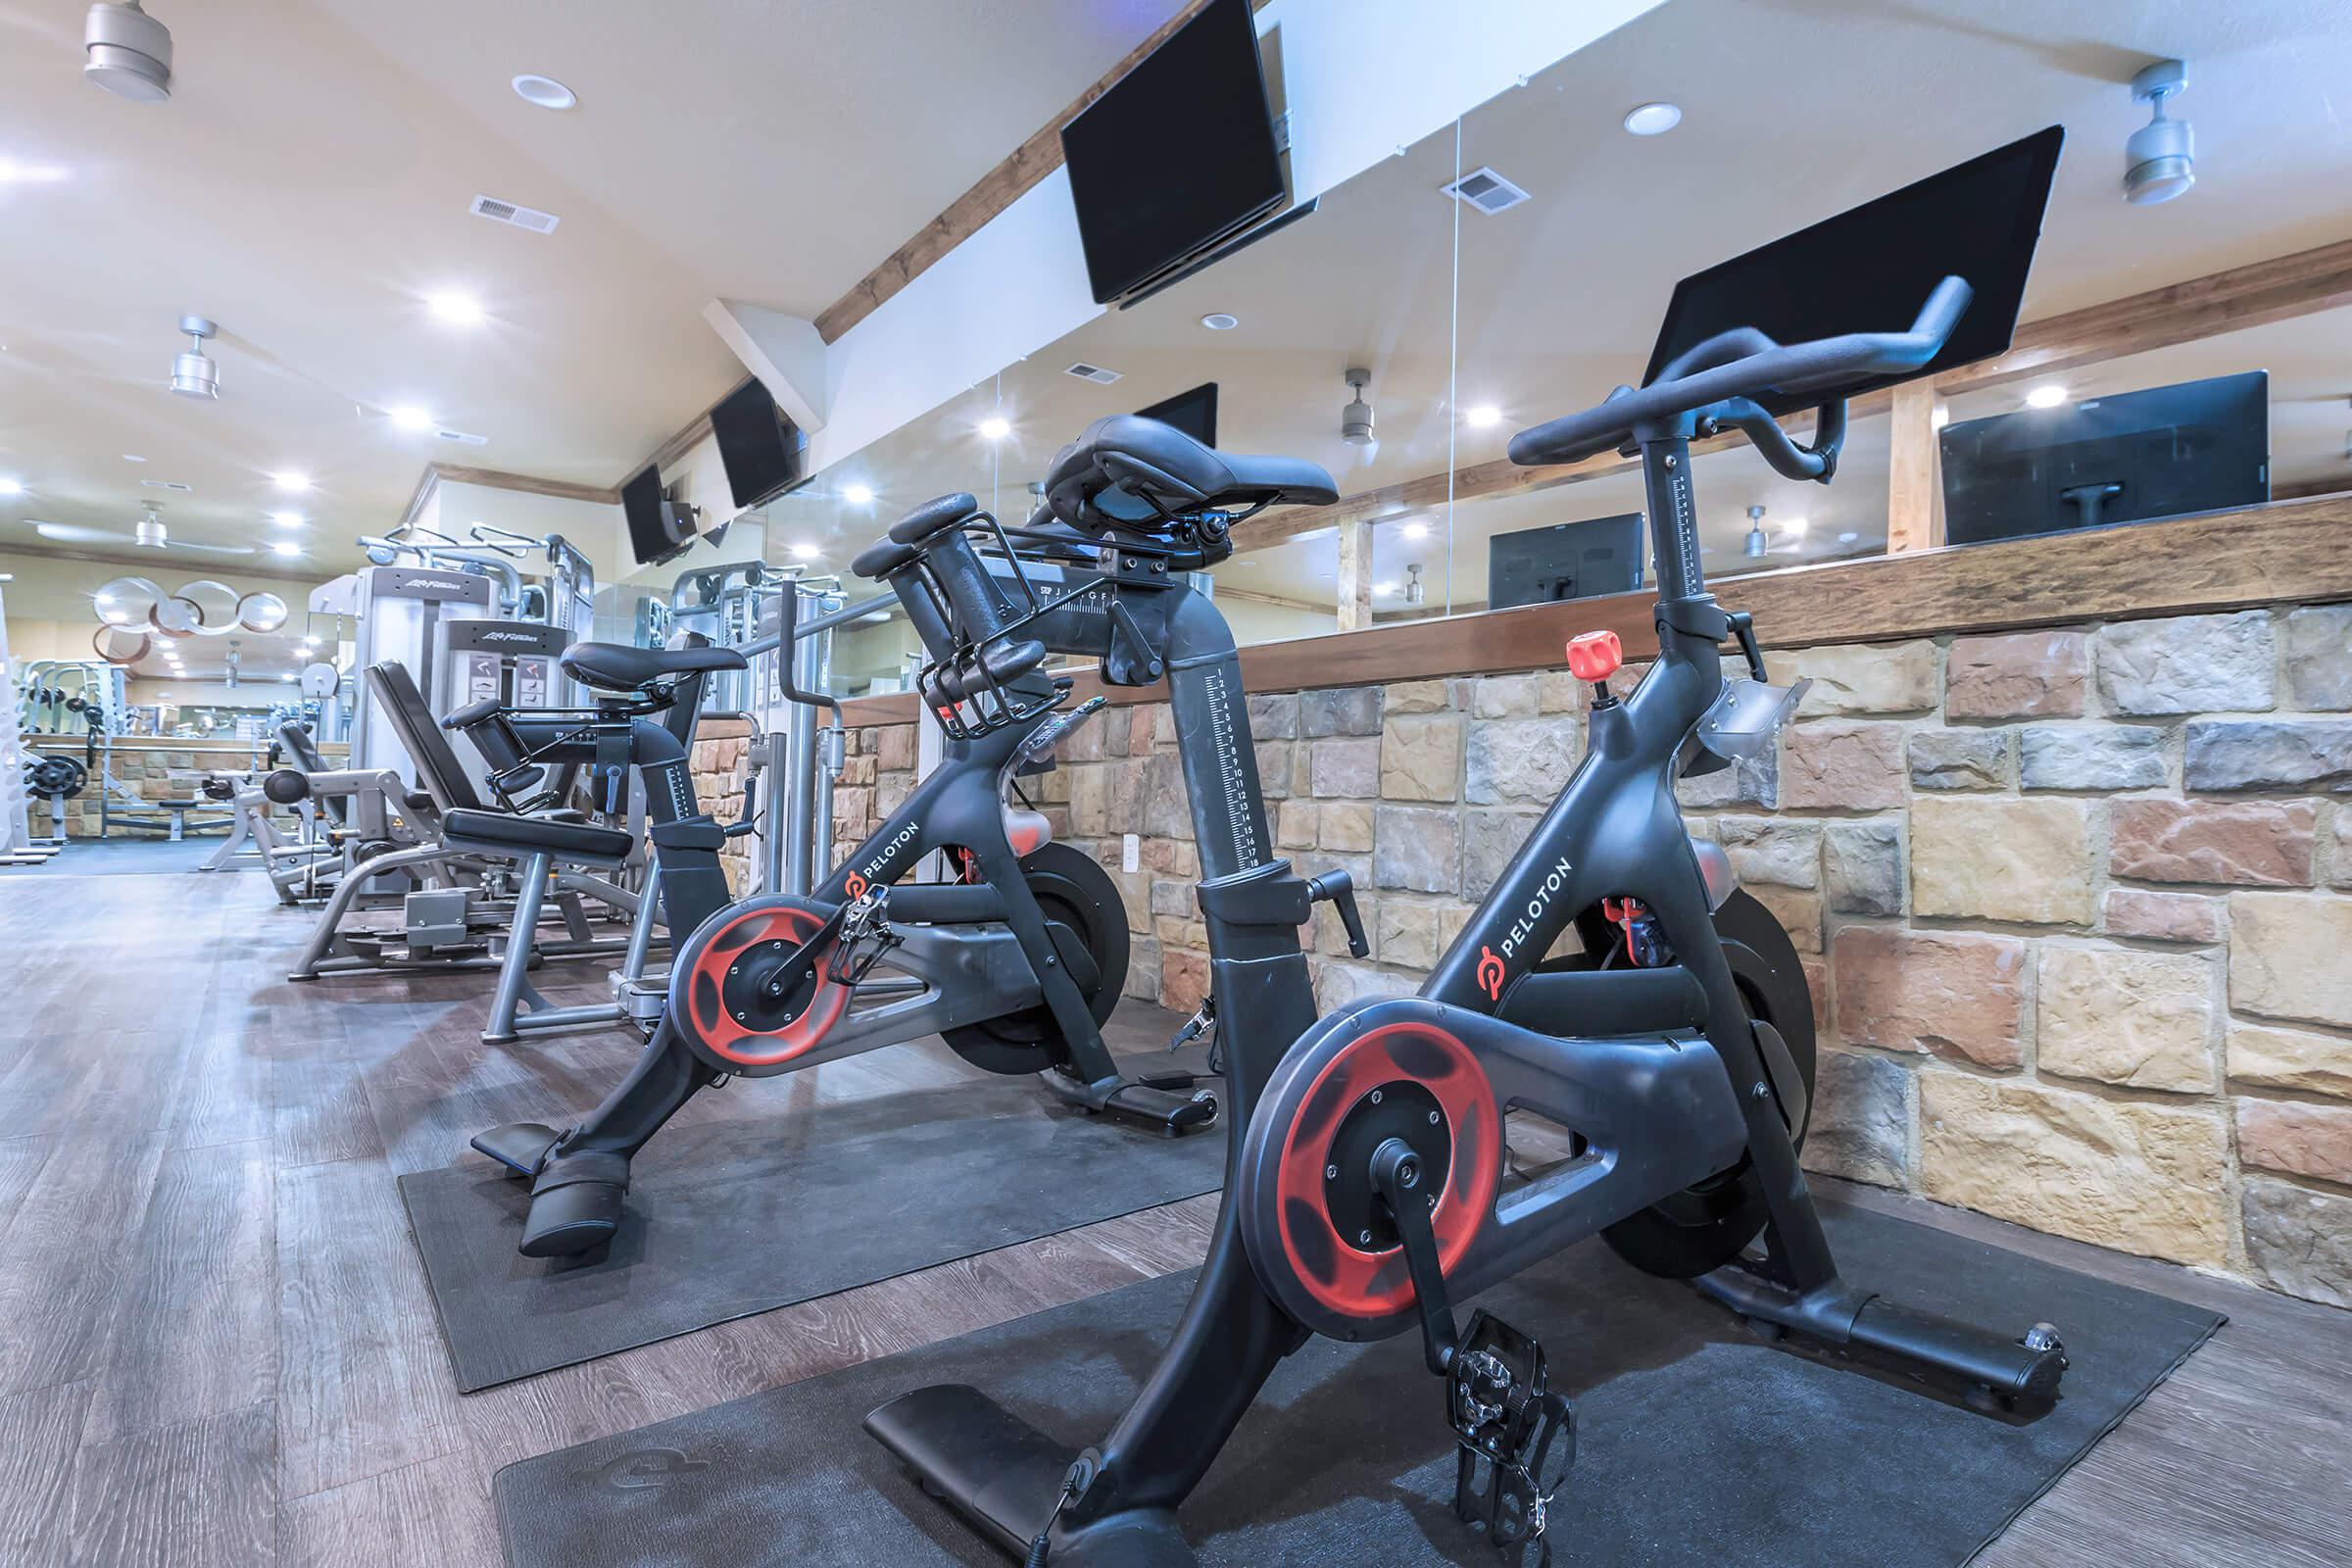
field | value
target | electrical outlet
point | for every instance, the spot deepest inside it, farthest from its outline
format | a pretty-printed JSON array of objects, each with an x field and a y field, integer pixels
[{"x": 1131, "y": 852}]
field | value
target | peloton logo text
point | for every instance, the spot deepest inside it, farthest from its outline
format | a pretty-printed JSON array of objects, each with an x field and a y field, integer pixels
[
  {"x": 1536, "y": 903},
  {"x": 883, "y": 856}
]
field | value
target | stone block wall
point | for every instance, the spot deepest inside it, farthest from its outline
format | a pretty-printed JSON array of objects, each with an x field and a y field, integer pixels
[{"x": 2076, "y": 903}]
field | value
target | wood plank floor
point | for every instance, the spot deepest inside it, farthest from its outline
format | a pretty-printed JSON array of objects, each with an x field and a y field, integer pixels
[{"x": 216, "y": 1344}]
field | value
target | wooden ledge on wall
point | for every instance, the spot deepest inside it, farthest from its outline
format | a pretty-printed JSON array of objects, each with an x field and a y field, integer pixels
[{"x": 2296, "y": 551}]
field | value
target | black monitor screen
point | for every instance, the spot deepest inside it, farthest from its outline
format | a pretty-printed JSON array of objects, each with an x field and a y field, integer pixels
[
  {"x": 1871, "y": 268},
  {"x": 1194, "y": 413},
  {"x": 762, "y": 451},
  {"x": 649, "y": 530},
  {"x": 1567, "y": 561},
  {"x": 1178, "y": 153},
  {"x": 2196, "y": 447}
]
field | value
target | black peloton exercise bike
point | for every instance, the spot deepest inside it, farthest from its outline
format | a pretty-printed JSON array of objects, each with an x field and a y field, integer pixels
[
  {"x": 1366, "y": 1189},
  {"x": 1017, "y": 964}
]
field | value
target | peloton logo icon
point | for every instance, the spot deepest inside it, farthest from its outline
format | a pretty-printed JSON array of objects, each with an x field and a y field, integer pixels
[
  {"x": 1490, "y": 973},
  {"x": 642, "y": 1469}
]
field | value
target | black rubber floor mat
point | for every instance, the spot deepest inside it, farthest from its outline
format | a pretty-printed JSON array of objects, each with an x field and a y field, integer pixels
[
  {"x": 1697, "y": 1443},
  {"x": 724, "y": 1221}
]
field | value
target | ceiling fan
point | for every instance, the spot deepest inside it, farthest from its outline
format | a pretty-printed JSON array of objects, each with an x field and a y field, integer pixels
[
  {"x": 1790, "y": 540},
  {"x": 150, "y": 534}
]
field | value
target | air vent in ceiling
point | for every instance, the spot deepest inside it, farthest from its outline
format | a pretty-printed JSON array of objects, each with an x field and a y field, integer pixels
[
  {"x": 168, "y": 484},
  {"x": 538, "y": 222},
  {"x": 1485, "y": 190},
  {"x": 1092, "y": 373},
  {"x": 462, "y": 439}
]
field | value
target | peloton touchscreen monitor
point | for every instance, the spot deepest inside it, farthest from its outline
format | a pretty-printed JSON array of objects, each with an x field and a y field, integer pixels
[
  {"x": 1869, "y": 269},
  {"x": 1194, "y": 413},
  {"x": 762, "y": 451},
  {"x": 1565, "y": 560},
  {"x": 2199, "y": 446},
  {"x": 1177, "y": 154}
]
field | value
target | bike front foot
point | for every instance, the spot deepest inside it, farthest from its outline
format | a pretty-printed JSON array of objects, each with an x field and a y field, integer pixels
[
  {"x": 576, "y": 1203},
  {"x": 1158, "y": 1102}
]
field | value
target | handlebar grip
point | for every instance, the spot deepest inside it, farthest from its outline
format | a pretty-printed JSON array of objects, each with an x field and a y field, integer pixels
[
  {"x": 1745, "y": 363},
  {"x": 981, "y": 610}
]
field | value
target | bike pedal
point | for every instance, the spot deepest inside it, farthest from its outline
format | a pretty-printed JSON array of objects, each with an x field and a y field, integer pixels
[{"x": 1508, "y": 1422}]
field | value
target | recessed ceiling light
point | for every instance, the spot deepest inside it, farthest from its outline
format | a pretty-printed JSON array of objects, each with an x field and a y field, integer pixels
[
  {"x": 2048, "y": 394},
  {"x": 410, "y": 418},
  {"x": 858, "y": 494},
  {"x": 284, "y": 547},
  {"x": 457, "y": 310},
  {"x": 1384, "y": 587},
  {"x": 995, "y": 428},
  {"x": 805, "y": 552},
  {"x": 1652, "y": 120},
  {"x": 291, "y": 482},
  {"x": 133, "y": 456},
  {"x": 16, "y": 173},
  {"x": 12, "y": 487},
  {"x": 545, "y": 92},
  {"x": 1416, "y": 530},
  {"x": 286, "y": 519},
  {"x": 1220, "y": 321},
  {"x": 1484, "y": 416}
]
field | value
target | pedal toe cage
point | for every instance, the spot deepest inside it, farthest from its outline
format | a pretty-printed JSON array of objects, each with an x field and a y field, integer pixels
[{"x": 1506, "y": 1418}]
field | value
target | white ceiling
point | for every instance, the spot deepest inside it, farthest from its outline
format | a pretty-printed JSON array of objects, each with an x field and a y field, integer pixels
[
  {"x": 306, "y": 187},
  {"x": 1792, "y": 109}
]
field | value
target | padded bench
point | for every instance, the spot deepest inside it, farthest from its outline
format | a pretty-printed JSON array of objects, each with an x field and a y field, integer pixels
[{"x": 502, "y": 833}]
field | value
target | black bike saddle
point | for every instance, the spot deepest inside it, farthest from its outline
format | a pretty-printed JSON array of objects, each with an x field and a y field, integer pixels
[
  {"x": 1128, "y": 473},
  {"x": 619, "y": 667}
]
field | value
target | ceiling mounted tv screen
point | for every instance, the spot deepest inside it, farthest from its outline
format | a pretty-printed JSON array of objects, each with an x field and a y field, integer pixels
[
  {"x": 762, "y": 451},
  {"x": 1177, "y": 154},
  {"x": 655, "y": 527}
]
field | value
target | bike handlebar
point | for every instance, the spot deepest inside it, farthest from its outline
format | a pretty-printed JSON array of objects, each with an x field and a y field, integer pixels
[{"x": 1724, "y": 374}]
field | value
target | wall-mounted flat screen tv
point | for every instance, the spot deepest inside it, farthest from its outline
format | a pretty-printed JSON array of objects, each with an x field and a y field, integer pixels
[
  {"x": 762, "y": 451},
  {"x": 1177, "y": 154}
]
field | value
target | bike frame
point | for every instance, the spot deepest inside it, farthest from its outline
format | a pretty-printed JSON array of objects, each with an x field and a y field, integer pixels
[
  {"x": 970, "y": 974},
  {"x": 1615, "y": 829}
]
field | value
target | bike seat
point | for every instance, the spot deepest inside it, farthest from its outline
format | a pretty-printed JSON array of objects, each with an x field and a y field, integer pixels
[
  {"x": 621, "y": 668},
  {"x": 934, "y": 517},
  {"x": 1125, "y": 470}
]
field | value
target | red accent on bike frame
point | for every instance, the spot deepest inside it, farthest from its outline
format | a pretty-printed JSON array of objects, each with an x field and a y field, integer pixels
[
  {"x": 1621, "y": 913},
  {"x": 1490, "y": 973},
  {"x": 1594, "y": 656},
  {"x": 718, "y": 1032},
  {"x": 1346, "y": 1280}
]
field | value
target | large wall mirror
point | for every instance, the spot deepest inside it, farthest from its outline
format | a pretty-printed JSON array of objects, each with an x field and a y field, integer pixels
[{"x": 1456, "y": 323}]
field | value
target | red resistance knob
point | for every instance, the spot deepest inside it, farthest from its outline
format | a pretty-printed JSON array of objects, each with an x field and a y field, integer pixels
[{"x": 1594, "y": 656}]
